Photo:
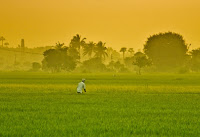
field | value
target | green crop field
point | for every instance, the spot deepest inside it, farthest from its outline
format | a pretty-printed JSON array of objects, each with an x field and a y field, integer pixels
[{"x": 41, "y": 104}]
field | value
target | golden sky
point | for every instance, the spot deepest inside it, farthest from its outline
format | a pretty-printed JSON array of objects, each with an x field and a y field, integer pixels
[{"x": 119, "y": 23}]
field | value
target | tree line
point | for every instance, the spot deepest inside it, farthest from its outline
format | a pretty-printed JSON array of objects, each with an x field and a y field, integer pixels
[{"x": 162, "y": 52}]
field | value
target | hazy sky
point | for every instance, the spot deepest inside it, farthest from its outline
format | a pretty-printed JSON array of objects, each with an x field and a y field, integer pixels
[{"x": 117, "y": 22}]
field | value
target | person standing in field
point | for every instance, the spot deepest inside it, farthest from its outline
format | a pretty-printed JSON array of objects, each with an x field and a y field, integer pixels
[{"x": 81, "y": 86}]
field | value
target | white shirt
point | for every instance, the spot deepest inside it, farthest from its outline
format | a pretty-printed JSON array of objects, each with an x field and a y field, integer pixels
[{"x": 81, "y": 86}]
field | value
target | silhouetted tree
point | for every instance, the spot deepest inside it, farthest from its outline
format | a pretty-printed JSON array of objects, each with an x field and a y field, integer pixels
[
  {"x": 110, "y": 66},
  {"x": 6, "y": 44},
  {"x": 195, "y": 60},
  {"x": 77, "y": 42},
  {"x": 36, "y": 66},
  {"x": 2, "y": 39},
  {"x": 73, "y": 53},
  {"x": 113, "y": 55},
  {"x": 89, "y": 48},
  {"x": 128, "y": 62},
  {"x": 131, "y": 51},
  {"x": 166, "y": 50},
  {"x": 93, "y": 65},
  {"x": 141, "y": 61},
  {"x": 57, "y": 59},
  {"x": 100, "y": 50},
  {"x": 116, "y": 67},
  {"x": 138, "y": 54},
  {"x": 123, "y": 50},
  {"x": 60, "y": 46},
  {"x": 109, "y": 52}
]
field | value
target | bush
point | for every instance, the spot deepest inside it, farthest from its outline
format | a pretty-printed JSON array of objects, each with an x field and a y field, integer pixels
[
  {"x": 36, "y": 66},
  {"x": 93, "y": 65}
]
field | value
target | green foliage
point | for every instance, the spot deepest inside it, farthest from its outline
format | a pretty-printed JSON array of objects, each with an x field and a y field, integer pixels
[
  {"x": 93, "y": 65},
  {"x": 113, "y": 55},
  {"x": 123, "y": 50},
  {"x": 195, "y": 60},
  {"x": 100, "y": 50},
  {"x": 166, "y": 50},
  {"x": 2, "y": 38},
  {"x": 73, "y": 53},
  {"x": 131, "y": 51},
  {"x": 76, "y": 43},
  {"x": 41, "y": 104},
  {"x": 36, "y": 66},
  {"x": 128, "y": 62},
  {"x": 89, "y": 48},
  {"x": 57, "y": 59},
  {"x": 141, "y": 61},
  {"x": 116, "y": 67}
]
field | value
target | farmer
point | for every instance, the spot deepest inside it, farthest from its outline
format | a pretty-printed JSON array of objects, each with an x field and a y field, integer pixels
[{"x": 81, "y": 86}]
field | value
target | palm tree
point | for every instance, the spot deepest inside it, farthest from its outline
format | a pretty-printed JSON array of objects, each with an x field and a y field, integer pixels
[
  {"x": 77, "y": 43},
  {"x": 2, "y": 39},
  {"x": 110, "y": 53},
  {"x": 59, "y": 45},
  {"x": 100, "y": 50},
  {"x": 131, "y": 51},
  {"x": 89, "y": 48},
  {"x": 123, "y": 50}
]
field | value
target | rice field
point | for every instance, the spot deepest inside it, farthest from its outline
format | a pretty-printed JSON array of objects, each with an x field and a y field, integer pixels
[{"x": 115, "y": 105}]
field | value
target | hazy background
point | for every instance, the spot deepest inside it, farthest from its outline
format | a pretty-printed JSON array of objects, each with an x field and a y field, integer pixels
[{"x": 117, "y": 22}]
